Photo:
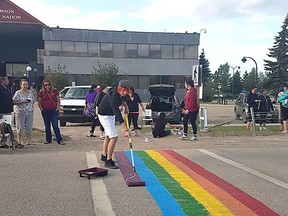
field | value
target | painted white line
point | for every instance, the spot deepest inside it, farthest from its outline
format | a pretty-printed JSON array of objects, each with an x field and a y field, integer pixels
[
  {"x": 102, "y": 204},
  {"x": 245, "y": 168}
]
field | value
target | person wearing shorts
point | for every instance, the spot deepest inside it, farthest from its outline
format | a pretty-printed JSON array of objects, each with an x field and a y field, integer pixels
[{"x": 108, "y": 111}]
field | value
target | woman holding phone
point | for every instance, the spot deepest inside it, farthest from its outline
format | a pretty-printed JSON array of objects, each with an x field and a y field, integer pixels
[{"x": 24, "y": 107}]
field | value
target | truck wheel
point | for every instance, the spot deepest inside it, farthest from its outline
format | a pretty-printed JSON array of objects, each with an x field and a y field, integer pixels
[{"x": 62, "y": 123}]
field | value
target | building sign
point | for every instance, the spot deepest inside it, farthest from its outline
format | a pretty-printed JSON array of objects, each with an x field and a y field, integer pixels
[
  {"x": 7, "y": 14},
  {"x": 11, "y": 13},
  {"x": 197, "y": 74}
]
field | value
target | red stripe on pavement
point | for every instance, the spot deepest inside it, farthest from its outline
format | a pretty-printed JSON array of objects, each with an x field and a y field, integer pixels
[
  {"x": 225, "y": 198},
  {"x": 252, "y": 203}
]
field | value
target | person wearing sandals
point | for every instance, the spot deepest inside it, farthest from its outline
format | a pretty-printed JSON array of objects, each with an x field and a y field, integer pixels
[
  {"x": 133, "y": 101},
  {"x": 7, "y": 107},
  {"x": 24, "y": 107},
  {"x": 89, "y": 109},
  {"x": 102, "y": 90},
  {"x": 49, "y": 103}
]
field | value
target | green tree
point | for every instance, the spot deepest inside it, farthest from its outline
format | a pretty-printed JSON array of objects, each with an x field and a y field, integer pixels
[
  {"x": 222, "y": 77},
  {"x": 105, "y": 74},
  {"x": 206, "y": 73},
  {"x": 58, "y": 76},
  {"x": 208, "y": 91},
  {"x": 238, "y": 86},
  {"x": 277, "y": 69},
  {"x": 249, "y": 79}
]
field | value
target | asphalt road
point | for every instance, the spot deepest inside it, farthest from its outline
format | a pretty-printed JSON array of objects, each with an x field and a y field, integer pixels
[{"x": 44, "y": 180}]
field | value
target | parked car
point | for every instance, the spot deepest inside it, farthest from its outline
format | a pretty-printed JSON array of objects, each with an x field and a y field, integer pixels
[
  {"x": 64, "y": 91},
  {"x": 163, "y": 99},
  {"x": 72, "y": 105},
  {"x": 241, "y": 110}
]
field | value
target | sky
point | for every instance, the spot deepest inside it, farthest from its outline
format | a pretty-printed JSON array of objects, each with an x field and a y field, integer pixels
[{"x": 234, "y": 28}]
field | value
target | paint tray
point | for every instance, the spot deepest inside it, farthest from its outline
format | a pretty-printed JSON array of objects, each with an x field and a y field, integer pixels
[{"x": 94, "y": 171}]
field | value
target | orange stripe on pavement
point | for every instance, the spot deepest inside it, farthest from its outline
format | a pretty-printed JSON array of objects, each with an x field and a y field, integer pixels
[{"x": 236, "y": 207}]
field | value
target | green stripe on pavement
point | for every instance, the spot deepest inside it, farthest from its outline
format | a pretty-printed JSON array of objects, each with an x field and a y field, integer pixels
[{"x": 189, "y": 205}]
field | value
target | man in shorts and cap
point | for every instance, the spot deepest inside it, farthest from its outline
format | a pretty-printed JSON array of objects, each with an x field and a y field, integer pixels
[{"x": 107, "y": 111}]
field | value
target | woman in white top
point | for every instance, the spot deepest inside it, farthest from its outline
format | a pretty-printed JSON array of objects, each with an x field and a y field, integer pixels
[{"x": 24, "y": 106}]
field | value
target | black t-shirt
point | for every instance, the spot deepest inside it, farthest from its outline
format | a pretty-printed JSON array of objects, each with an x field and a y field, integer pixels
[
  {"x": 110, "y": 105},
  {"x": 98, "y": 99},
  {"x": 251, "y": 101},
  {"x": 6, "y": 101},
  {"x": 133, "y": 104}
]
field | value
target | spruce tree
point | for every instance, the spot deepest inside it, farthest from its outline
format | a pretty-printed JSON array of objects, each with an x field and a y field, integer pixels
[
  {"x": 206, "y": 73},
  {"x": 277, "y": 70}
]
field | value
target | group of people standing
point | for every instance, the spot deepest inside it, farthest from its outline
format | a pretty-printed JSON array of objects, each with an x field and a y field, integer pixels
[
  {"x": 261, "y": 104},
  {"x": 22, "y": 104},
  {"x": 189, "y": 111}
]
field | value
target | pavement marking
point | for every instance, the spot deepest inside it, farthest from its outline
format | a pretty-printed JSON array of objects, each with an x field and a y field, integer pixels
[
  {"x": 210, "y": 203},
  {"x": 245, "y": 168},
  {"x": 102, "y": 204}
]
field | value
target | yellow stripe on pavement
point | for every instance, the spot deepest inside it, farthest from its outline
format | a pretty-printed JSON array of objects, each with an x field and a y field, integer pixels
[{"x": 214, "y": 206}]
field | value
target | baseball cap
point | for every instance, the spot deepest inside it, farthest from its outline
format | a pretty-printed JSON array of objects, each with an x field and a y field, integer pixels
[
  {"x": 281, "y": 89},
  {"x": 124, "y": 84}
]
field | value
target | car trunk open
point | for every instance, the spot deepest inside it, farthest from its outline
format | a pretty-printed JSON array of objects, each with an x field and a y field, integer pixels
[
  {"x": 161, "y": 104},
  {"x": 162, "y": 90}
]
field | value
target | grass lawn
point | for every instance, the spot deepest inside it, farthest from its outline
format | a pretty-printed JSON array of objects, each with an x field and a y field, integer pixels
[{"x": 227, "y": 130}]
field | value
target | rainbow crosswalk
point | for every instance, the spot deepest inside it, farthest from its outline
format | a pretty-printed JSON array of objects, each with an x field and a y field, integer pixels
[{"x": 182, "y": 187}]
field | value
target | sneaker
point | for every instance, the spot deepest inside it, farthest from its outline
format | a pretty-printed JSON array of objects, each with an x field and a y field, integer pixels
[
  {"x": 101, "y": 137},
  {"x": 264, "y": 128},
  {"x": 110, "y": 164},
  {"x": 103, "y": 157},
  {"x": 194, "y": 138},
  {"x": 61, "y": 142},
  {"x": 261, "y": 128},
  {"x": 47, "y": 143},
  {"x": 184, "y": 137}
]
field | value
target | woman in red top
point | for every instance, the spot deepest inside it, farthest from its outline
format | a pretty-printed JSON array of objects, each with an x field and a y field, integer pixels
[
  {"x": 190, "y": 110},
  {"x": 49, "y": 102}
]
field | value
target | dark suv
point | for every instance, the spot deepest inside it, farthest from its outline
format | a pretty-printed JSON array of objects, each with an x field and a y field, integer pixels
[
  {"x": 163, "y": 99},
  {"x": 241, "y": 109}
]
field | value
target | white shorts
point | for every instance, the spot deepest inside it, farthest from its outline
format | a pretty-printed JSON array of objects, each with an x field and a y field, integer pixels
[{"x": 108, "y": 123}]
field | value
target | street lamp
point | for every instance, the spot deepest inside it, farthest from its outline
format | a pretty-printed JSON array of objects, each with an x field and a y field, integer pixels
[
  {"x": 28, "y": 69},
  {"x": 244, "y": 59},
  {"x": 35, "y": 78},
  {"x": 233, "y": 68},
  {"x": 219, "y": 88}
]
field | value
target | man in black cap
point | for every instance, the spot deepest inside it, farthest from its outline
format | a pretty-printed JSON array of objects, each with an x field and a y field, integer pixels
[{"x": 107, "y": 111}]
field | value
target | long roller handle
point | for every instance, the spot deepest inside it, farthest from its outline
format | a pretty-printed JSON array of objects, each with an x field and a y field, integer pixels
[{"x": 130, "y": 144}]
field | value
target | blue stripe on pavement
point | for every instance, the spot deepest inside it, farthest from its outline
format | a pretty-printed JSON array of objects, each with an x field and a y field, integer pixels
[{"x": 167, "y": 204}]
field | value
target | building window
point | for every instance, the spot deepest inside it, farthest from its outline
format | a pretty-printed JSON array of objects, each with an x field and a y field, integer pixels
[
  {"x": 81, "y": 47},
  {"x": 68, "y": 46},
  {"x": 106, "y": 50},
  {"x": 131, "y": 51},
  {"x": 166, "y": 80},
  {"x": 119, "y": 50},
  {"x": 178, "y": 51},
  {"x": 167, "y": 51},
  {"x": 191, "y": 52},
  {"x": 93, "y": 48},
  {"x": 155, "y": 51},
  {"x": 155, "y": 79},
  {"x": 53, "y": 45},
  {"x": 143, "y": 51}
]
